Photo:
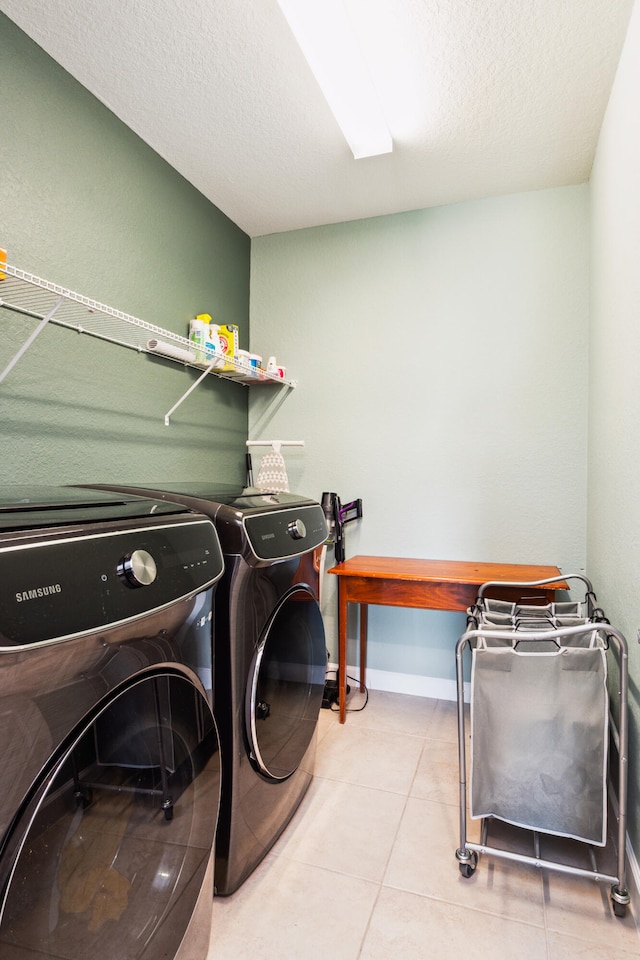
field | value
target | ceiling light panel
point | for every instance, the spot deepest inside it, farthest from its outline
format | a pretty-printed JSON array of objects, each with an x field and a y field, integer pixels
[{"x": 328, "y": 41}]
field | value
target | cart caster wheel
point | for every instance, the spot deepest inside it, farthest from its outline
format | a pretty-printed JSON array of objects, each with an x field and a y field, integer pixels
[
  {"x": 83, "y": 798},
  {"x": 620, "y": 909},
  {"x": 468, "y": 868},
  {"x": 619, "y": 900}
]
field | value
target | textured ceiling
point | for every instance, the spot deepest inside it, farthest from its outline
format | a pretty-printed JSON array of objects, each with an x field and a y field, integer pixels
[{"x": 483, "y": 97}]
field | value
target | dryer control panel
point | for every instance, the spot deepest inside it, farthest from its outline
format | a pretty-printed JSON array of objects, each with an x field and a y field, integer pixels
[{"x": 280, "y": 534}]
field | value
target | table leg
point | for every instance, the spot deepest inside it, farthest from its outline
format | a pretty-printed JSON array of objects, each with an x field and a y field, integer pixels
[
  {"x": 342, "y": 651},
  {"x": 364, "y": 622}
]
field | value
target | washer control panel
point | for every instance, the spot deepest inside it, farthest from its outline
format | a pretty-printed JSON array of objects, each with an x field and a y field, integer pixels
[{"x": 58, "y": 584}]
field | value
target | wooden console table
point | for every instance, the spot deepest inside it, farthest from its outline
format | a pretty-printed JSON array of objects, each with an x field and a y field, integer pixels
[{"x": 426, "y": 584}]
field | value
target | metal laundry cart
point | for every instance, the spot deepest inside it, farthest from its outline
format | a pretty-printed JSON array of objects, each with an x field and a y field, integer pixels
[{"x": 541, "y": 722}]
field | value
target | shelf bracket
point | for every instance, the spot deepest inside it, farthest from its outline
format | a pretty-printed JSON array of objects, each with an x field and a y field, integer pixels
[
  {"x": 23, "y": 349},
  {"x": 190, "y": 390}
]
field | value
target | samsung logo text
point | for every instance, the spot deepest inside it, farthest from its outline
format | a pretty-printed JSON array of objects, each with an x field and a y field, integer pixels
[{"x": 38, "y": 592}]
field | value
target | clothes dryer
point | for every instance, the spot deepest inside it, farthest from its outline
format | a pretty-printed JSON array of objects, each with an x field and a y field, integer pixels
[
  {"x": 109, "y": 751},
  {"x": 271, "y": 658}
]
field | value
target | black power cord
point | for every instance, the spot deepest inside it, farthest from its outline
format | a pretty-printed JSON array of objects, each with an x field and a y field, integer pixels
[{"x": 330, "y": 701}]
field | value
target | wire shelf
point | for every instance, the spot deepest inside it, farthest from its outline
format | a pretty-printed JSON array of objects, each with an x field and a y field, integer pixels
[{"x": 26, "y": 294}]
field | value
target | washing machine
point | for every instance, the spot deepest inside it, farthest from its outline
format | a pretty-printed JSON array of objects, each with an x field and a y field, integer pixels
[
  {"x": 271, "y": 658},
  {"x": 109, "y": 752}
]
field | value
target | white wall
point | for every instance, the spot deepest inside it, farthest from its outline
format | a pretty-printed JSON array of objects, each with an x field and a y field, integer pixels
[
  {"x": 614, "y": 411},
  {"x": 442, "y": 359}
]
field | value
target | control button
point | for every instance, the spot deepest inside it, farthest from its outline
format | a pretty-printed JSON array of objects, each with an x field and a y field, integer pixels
[
  {"x": 296, "y": 529},
  {"x": 138, "y": 569}
]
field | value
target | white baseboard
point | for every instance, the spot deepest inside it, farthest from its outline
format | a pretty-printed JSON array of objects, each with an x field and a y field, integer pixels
[{"x": 409, "y": 683}]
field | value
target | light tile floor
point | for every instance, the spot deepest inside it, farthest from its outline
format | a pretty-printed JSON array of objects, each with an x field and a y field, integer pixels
[{"x": 366, "y": 869}]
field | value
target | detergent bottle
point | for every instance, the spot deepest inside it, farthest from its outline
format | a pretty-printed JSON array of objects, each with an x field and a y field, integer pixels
[{"x": 198, "y": 337}]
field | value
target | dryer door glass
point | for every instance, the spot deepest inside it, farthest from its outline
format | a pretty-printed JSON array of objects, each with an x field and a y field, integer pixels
[
  {"x": 110, "y": 851},
  {"x": 286, "y": 685}
]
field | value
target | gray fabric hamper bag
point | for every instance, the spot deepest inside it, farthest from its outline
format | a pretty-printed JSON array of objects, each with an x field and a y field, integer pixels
[{"x": 539, "y": 735}]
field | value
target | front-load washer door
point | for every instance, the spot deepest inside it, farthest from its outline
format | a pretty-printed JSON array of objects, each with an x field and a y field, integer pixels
[
  {"x": 110, "y": 850},
  {"x": 286, "y": 685}
]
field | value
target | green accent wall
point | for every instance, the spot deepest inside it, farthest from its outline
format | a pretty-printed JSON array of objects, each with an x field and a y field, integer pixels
[{"x": 86, "y": 204}]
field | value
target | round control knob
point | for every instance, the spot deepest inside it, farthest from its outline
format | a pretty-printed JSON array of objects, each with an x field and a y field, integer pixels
[
  {"x": 296, "y": 530},
  {"x": 138, "y": 569}
]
